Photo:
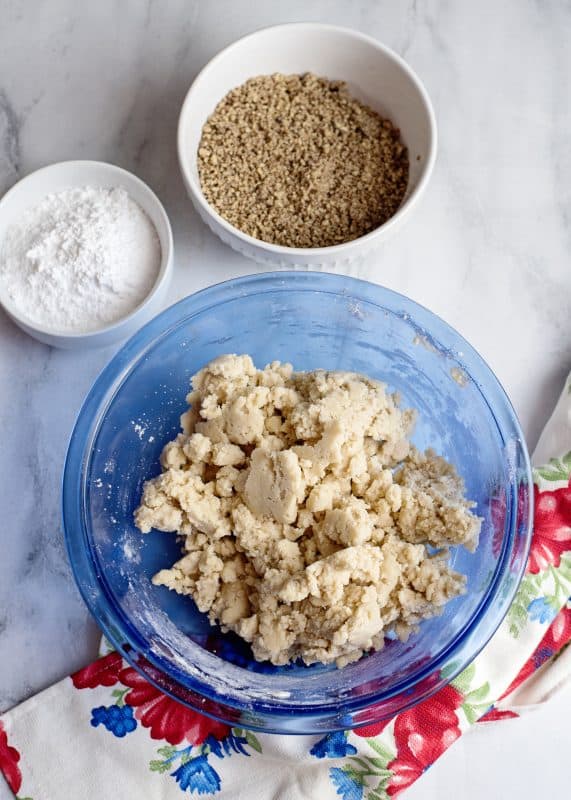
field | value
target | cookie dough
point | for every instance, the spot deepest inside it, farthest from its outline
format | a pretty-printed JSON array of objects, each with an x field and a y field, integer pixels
[{"x": 310, "y": 525}]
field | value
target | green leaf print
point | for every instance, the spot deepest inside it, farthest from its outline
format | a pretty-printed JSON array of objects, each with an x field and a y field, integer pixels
[
  {"x": 253, "y": 742},
  {"x": 463, "y": 681},
  {"x": 384, "y": 752},
  {"x": 517, "y": 616},
  {"x": 357, "y": 776},
  {"x": 471, "y": 713},
  {"x": 565, "y": 567},
  {"x": 476, "y": 703},
  {"x": 167, "y": 752},
  {"x": 119, "y": 694},
  {"x": 478, "y": 695},
  {"x": 371, "y": 772},
  {"x": 159, "y": 766},
  {"x": 560, "y": 593},
  {"x": 378, "y": 794},
  {"x": 558, "y": 469},
  {"x": 379, "y": 763},
  {"x": 362, "y": 777},
  {"x": 368, "y": 767}
]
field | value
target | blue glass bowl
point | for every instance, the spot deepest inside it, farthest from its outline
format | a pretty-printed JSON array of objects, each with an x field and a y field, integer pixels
[{"x": 312, "y": 320}]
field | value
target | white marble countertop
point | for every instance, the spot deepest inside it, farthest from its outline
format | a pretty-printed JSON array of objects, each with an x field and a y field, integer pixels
[{"x": 487, "y": 249}]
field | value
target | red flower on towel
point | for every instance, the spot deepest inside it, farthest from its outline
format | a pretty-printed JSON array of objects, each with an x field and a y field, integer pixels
[
  {"x": 559, "y": 632},
  {"x": 372, "y": 730},
  {"x": 495, "y": 714},
  {"x": 165, "y": 718},
  {"x": 103, "y": 672},
  {"x": 9, "y": 758},
  {"x": 556, "y": 637},
  {"x": 422, "y": 734},
  {"x": 552, "y": 529}
]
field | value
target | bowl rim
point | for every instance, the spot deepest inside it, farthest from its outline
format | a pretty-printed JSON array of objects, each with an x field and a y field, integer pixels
[
  {"x": 128, "y": 640},
  {"x": 166, "y": 251},
  {"x": 304, "y": 252}
]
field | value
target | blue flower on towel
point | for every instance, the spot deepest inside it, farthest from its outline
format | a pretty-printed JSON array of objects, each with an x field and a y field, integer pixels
[
  {"x": 117, "y": 719},
  {"x": 541, "y": 610},
  {"x": 334, "y": 745},
  {"x": 347, "y": 785},
  {"x": 541, "y": 656},
  {"x": 197, "y": 775}
]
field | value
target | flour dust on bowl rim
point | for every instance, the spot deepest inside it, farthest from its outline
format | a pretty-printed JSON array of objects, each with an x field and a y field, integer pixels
[{"x": 314, "y": 320}]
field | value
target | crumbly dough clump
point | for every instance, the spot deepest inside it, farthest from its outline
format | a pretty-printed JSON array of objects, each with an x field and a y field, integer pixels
[
  {"x": 306, "y": 515},
  {"x": 297, "y": 161}
]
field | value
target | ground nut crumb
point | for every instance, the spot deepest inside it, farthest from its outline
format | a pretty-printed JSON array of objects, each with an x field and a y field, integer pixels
[
  {"x": 297, "y": 161},
  {"x": 311, "y": 537}
]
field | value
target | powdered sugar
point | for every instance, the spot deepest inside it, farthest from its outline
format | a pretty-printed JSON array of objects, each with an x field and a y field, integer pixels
[{"x": 81, "y": 259}]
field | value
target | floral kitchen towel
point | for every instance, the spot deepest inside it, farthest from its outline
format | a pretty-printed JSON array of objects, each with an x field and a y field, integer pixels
[{"x": 106, "y": 732}]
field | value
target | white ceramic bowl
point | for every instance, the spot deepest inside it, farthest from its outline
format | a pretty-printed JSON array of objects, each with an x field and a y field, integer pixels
[
  {"x": 374, "y": 74},
  {"x": 67, "y": 175}
]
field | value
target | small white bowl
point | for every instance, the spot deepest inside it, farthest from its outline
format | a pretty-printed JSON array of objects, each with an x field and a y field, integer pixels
[
  {"x": 374, "y": 74},
  {"x": 68, "y": 175}
]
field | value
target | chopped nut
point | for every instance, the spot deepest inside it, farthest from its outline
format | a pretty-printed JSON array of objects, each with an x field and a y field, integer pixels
[{"x": 296, "y": 160}]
